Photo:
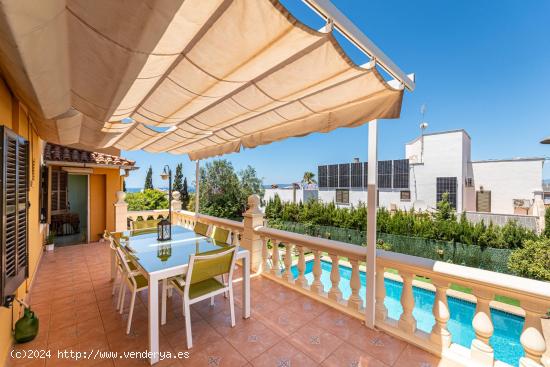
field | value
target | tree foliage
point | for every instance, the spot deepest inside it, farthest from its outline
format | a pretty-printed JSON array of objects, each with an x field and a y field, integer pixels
[
  {"x": 309, "y": 178},
  {"x": 223, "y": 193},
  {"x": 532, "y": 260},
  {"x": 442, "y": 225},
  {"x": 178, "y": 179},
  {"x": 184, "y": 194},
  {"x": 149, "y": 179},
  {"x": 147, "y": 200}
]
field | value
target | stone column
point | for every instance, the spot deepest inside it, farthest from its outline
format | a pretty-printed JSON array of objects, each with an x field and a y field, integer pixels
[
  {"x": 121, "y": 212},
  {"x": 253, "y": 217}
]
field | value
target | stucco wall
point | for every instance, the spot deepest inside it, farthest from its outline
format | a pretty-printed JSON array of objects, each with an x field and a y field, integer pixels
[
  {"x": 14, "y": 116},
  {"x": 508, "y": 180}
]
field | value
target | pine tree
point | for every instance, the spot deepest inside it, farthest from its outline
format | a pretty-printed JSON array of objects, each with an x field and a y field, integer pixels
[
  {"x": 149, "y": 179},
  {"x": 184, "y": 194},
  {"x": 124, "y": 185},
  {"x": 178, "y": 179}
]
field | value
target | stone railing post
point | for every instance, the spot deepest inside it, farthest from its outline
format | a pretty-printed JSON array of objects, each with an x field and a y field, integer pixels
[
  {"x": 121, "y": 212},
  {"x": 176, "y": 202},
  {"x": 481, "y": 351},
  {"x": 251, "y": 241}
]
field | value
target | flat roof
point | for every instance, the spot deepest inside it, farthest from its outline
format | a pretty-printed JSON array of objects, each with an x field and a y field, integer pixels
[
  {"x": 518, "y": 159},
  {"x": 441, "y": 133}
]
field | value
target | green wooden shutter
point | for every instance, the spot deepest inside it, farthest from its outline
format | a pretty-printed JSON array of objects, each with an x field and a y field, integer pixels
[{"x": 14, "y": 210}]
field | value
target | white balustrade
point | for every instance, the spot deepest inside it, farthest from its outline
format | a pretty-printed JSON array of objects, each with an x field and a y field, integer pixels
[{"x": 534, "y": 296}]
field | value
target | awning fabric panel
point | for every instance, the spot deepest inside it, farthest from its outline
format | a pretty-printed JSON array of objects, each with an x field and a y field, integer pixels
[{"x": 197, "y": 77}]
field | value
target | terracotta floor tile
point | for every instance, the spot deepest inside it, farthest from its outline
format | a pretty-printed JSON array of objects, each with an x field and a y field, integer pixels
[
  {"x": 338, "y": 324},
  {"x": 283, "y": 354},
  {"x": 219, "y": 354},
  {"x": 203, "y": 335},
  {"x": 315, "y": 341},
  {"x": 282, "y": 321},
  {"x": 348, "y": 355},
  {"x": 252, "y": 339},
  {"x": 416, "y": 357},
  {"x": 378, "y": 344}
]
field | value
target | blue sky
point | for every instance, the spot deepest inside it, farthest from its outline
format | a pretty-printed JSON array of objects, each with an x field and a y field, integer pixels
[{"x": 481, "y": 65}]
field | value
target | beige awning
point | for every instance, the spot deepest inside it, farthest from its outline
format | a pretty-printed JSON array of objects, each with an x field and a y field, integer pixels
[{"x": 197, "y": 77}]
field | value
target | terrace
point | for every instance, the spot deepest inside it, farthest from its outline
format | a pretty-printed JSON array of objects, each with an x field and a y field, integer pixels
[
  {"x": 206, "y": 80},
  {"x": 298, "y": 317}
]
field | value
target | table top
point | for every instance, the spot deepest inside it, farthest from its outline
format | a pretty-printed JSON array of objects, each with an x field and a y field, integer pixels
[{"x": 153, "y": 255}]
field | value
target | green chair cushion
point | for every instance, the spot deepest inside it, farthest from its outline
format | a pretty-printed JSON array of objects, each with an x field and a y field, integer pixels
[
  {"x": 201, "y": 228},
  {"x": 141, "y": 281},
  {"x": 220, "y": 235},
  {"x": 199, "y": 289}
]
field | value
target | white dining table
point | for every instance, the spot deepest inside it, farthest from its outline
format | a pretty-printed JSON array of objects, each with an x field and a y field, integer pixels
[{"x": 160, "y": 260}]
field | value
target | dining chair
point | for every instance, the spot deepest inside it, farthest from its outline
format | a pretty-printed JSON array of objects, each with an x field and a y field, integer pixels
[
  {"x": 143, "y": 224},
  {"x": 220, "y": 235},
  {"x": 135, "y": 281},
  {"x": 201, "y": 228},
  {"x": 114, "y": 239},
  {"x": 201, "y": 282}
]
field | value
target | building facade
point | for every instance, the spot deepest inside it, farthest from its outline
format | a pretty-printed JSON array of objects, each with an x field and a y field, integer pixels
[{"x": 436, "y": 164}]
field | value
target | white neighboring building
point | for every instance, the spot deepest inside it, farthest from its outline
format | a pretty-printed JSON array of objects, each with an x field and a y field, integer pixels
[
  {"x": 292, "y": 193},
  {"x": 437, "y": 163}
]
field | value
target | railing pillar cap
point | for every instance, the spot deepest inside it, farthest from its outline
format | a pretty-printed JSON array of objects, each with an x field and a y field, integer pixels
[{"x": 253, "y": 206}]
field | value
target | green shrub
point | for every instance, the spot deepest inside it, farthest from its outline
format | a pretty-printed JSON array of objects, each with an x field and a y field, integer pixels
[
  {"x": 533, "y": 260},
  {"x": 149, "y": 199}
]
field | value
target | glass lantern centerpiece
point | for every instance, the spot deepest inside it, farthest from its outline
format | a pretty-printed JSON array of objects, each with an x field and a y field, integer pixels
[{"x": 164, "y": 227}]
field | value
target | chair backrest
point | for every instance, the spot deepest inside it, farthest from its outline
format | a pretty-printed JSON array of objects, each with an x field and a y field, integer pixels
[
  {"x": 220, "y": 235},
  {"x": 209, "y": 265},
  {"x": 201, "y": 228},
  {"x": 144, "y": 224}
]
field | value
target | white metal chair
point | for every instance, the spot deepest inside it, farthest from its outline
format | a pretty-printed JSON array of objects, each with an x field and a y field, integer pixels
[
  {"x": 135, "y": 281},
  {"x": 202, "y": 282}
]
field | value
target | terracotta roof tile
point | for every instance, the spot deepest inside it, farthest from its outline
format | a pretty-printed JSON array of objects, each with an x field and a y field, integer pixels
[{"x": 54, "y": 152}]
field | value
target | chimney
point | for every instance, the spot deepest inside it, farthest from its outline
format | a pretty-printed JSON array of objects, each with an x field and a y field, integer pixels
[{"x": 355, "y": 160}]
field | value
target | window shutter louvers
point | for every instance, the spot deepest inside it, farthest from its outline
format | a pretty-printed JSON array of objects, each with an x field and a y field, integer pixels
[{"x": 14, "y": 191}]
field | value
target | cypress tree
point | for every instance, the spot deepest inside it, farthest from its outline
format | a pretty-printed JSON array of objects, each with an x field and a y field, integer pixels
[
  {"x": 149, "y": 179},
  {"x": 178, "y": 179},
  {"x": 185, "y": 194}
]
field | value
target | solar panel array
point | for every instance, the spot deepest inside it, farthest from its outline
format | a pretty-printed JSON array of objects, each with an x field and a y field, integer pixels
[
  {"x": 446, "y": 185},
  {"x": 356, "y": 172},
  {"x": 343, "y": 175},
  {"x": 333, "y": 175},
  {"x": 391, "y": 174},
  {"x": 401, "y": 174},
  {"x": 322, "y": 176}
]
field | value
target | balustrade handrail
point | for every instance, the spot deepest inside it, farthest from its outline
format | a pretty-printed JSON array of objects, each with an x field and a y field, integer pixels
[
  {"x": 233, "y": 224},
  {"x": 498, "y": 283},
  {"x": 317, "y": 243},
  {"x": 134, "y": 213}
]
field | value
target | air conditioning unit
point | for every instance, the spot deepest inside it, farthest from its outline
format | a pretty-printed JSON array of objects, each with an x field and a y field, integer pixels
[{"x": 522, "y": 203}]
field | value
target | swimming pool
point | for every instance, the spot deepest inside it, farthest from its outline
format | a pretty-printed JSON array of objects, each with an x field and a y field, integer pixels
[{"x": 508, "y": 327}]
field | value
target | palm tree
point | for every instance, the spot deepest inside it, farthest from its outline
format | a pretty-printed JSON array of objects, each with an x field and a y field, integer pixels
[{"x": 308, "y": 178}]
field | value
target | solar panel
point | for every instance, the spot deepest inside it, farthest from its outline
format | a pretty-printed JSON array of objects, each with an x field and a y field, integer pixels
[
  {"x": 401, "y": 174},
  {"x": 365, "y": 175},
  {"x": 356, "y": 175},
  {"x": 385, "y": 174},
  {"x": 322, "y": 176},
  {"x": 333, "y": 175},
  {"x": 446, "y": 185},
  {"x": 343, "y": 175}
]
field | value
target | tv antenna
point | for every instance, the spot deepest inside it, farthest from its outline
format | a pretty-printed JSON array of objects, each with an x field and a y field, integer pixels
[{"x": 423, "y": 126}]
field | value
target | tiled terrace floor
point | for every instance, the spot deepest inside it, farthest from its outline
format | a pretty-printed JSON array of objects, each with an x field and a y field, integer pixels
[{"x": 72, "y": 297}]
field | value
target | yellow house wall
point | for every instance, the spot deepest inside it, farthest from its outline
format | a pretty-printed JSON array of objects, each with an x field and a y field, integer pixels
[
  {"x": 13, "y": 115},
  {"x": 104, "y": 183}
]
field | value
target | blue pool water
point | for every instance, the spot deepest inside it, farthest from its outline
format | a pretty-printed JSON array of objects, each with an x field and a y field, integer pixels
[{"x": 505, "y": 339}]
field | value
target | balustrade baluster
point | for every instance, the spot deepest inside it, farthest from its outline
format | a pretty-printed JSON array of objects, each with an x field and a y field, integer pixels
[
  {"x": 380, "y": 308},
  {"x": 481, "y": 351},
  {"x": 288, "y": 263},
  {"x": 440, "y": 334},
  {"x": 275, "y": 270},
  {"x": 316, "y": 285},
  {"x": 532, "y": 338},
  {"x": 265, "y": 255},
  {"x": 335, "y": 293},
  {"x": 407, "y": 321},
  {"x": 354, "y": 301},
  {"x": 302, "y": 281}
]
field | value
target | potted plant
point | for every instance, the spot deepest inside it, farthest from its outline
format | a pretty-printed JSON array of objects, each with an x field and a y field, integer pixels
[{"x": 50, "y": 241}]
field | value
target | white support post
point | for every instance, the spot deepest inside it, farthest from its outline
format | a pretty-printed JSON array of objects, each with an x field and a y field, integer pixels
[
  {"x": 371, "y": 223},
  {"x": 197, "y": 186}
]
